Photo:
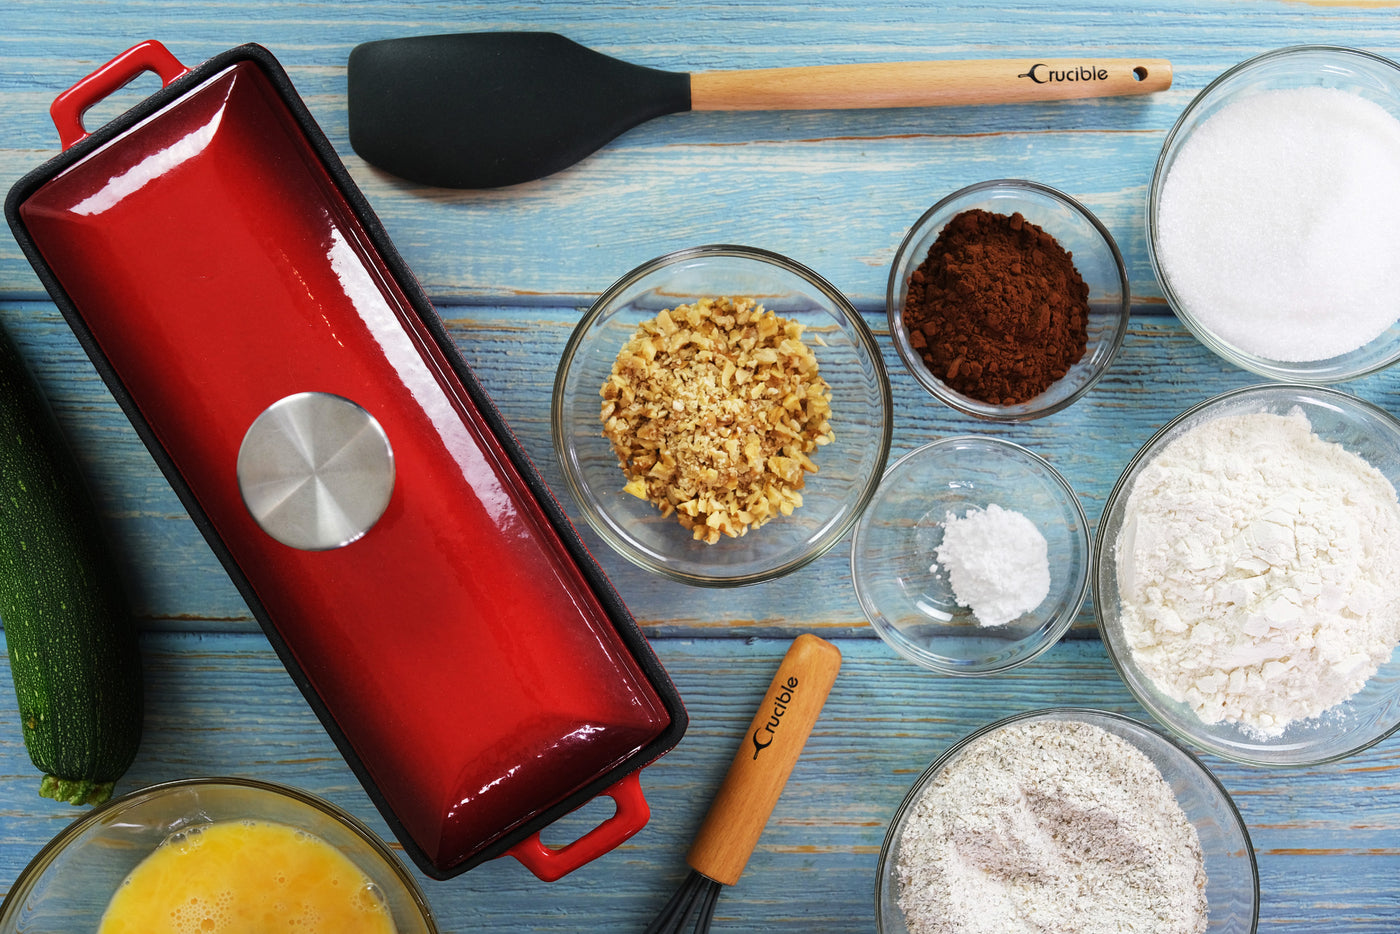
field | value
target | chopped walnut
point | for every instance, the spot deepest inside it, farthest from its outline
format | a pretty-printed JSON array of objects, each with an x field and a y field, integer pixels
[{"x": 712, "y": 409}]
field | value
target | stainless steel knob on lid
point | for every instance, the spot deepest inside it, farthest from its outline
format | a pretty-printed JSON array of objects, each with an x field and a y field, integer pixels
[{"x": 316, "y": 471}]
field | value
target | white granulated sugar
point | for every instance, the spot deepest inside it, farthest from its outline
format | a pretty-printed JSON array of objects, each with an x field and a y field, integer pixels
[
  {"x": 1259, "y": 571},
  {"x": 1276, "y": 223},
  {"x": 997, "y": 562},
  {"x": 1050, "y": 826}
]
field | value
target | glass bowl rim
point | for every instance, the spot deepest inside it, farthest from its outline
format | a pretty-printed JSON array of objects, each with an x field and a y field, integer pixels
[
  {"x": 42, "y": 860},
  {"x": 840, "y": 307},
  {"x": 915, "y": 365},
  {"x": 1281, "y": 371},
  {"x": 1052, "y": 635},
  {"x": 1085, "y": 714},
  {"x": 1119, "y": 489}
]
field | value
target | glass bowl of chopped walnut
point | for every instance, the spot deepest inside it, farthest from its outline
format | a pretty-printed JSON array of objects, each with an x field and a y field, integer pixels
[
  {"x": 721, "y": 415},
  {"x": 1008, "y": 300}
]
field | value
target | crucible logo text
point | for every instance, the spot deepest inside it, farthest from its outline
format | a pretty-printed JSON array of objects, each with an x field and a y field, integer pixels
[
  {"x": 1042, "y": 73},
  {"x": 768, "y": 730}
]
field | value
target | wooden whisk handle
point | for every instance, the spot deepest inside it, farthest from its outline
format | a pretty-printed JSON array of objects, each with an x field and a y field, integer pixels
[{"x": 765, "y": 759}]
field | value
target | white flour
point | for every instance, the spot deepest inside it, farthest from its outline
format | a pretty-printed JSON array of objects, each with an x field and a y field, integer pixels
[
  {"x": 1259, "y": 571},
  {"x": 997, "y": 563},
  {"x": 1047, "y": 827}
]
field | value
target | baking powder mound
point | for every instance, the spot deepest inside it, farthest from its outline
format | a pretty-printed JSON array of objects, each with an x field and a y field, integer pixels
[{"x": 997, "y": 561}]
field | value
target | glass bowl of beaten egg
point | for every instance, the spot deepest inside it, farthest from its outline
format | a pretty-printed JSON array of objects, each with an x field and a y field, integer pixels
[
  {"x": 731, "y": 478},
  {"x": 973, "y": 557},
  {"x": 1095, "y": 258},
  {"x": 1247, "y": 575},
  {"x": 216, "y": 854},
  {"x": 1270, "y": 216}
]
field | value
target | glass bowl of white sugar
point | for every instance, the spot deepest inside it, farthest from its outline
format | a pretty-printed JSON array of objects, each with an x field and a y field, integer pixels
[
  {"x": 972, "y": 557},
  {"x": 1067, "y": 818},
  {"x": 1247, "y": 575},
  {"x": 1271, "y": 215}
]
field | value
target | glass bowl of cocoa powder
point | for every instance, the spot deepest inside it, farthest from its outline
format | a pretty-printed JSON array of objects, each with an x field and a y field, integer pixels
[{"x": 1008, "y": 300}]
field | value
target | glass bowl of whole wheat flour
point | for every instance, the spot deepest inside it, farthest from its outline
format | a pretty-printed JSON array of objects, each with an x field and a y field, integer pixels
[
  {"x": 1247, "y": 578},
  {"x": 1143, "y": 836}
]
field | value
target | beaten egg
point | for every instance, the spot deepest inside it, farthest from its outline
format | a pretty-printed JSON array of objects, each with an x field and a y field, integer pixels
[{"x": 243, "y": 877}]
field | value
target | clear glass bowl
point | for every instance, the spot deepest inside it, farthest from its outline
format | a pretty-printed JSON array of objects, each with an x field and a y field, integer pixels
[
  {"x": 849, "y": 468},
  {"x": 912, "y": 607},
  {"x": 1369, "y": 76},
  {"x": 1366, "y": 718},
  {"x": 67, "y": 886},
  {"x": 1096, "y": 257},
  {"x": 1232, "y": 876}
]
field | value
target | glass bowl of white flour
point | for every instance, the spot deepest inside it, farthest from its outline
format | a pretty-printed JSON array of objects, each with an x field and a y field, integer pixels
[
  {"x": 1067, "y": 819},
  {"x": 972, "y": 557},
  {"x": 1270, "y": 217},
  {"x": 1247, "y": 577}
]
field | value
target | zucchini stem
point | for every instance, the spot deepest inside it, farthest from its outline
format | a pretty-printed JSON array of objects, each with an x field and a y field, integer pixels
[{"x": 75, "y": 791}]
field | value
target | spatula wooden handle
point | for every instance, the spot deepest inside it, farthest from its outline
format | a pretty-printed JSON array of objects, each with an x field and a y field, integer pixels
[
  {"x": 926, "y": 84},
  {"x": 765, "y": 759}
]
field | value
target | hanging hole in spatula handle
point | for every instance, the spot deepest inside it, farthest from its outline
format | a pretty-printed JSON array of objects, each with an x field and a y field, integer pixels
[
  {"x": 551, "y": 864},
  {"x": 68, "y": 108}
]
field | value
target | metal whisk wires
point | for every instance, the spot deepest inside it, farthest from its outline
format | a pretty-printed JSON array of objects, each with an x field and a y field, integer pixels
[{"x": 691, "y": 908}]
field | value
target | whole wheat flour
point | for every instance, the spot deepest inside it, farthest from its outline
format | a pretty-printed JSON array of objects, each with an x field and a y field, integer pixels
[
  {"x": 1050, "y": 826},
  {"x": 1259, "y": 571}
]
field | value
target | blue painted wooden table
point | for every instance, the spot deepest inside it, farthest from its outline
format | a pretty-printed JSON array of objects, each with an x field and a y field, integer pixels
[{"x": 511, "y": 271}]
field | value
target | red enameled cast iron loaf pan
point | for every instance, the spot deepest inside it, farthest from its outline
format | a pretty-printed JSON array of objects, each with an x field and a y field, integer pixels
[{"x": 418, "y": 579}]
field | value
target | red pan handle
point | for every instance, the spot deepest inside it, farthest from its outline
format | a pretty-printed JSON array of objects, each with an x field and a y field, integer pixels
[
  {"x": 632, "y": 815},
  {"x": 68, "y": 108}
]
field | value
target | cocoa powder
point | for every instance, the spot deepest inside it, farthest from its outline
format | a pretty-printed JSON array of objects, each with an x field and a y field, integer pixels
[{"x": 997, "y": 310}]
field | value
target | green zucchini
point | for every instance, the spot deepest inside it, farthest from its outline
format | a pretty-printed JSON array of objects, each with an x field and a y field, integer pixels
[{"x": 72, "y": 642}]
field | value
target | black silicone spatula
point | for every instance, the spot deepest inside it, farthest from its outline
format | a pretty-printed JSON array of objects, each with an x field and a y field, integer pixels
[{"x": 480, "y": 110}]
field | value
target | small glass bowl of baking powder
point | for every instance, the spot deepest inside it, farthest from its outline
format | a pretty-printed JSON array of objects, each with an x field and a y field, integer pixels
[
  {"x": 1247, "y": 575},
  {"x": 973, "y": 556},
  {"x": 1270, "y": 217},
  {"x": 1008, "y": 859},
  {"x": 1095, "y": 258}
]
